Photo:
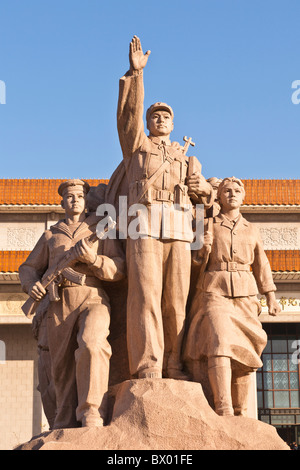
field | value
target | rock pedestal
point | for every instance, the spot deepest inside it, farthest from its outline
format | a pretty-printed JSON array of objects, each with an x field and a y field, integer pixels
[{"x": 163, "y": 414}]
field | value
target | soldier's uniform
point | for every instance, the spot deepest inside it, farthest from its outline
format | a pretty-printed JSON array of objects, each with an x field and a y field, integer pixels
[
  {"x": 159, "y": 260},
  {"x": 78, "y": 324}
]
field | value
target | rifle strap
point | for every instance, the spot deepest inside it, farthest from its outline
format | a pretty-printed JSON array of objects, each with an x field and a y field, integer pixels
[{"x": 167, "y": 162}]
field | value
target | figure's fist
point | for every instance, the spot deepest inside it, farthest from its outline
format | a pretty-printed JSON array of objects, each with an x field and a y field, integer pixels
[
  {"x": 37, "y": 291},
  {"x": 198, "y": 184},
  {"x": 137, "y": 58},
  {"x": 273, "y": 306},
  {"x": 208, "y": 239},
  {"x": 201, "y": 256},
  {"x": 85, "y": 253}
]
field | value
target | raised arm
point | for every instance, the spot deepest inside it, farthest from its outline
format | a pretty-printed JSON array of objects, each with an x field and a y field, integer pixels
[{"x": 131, "y": 101}]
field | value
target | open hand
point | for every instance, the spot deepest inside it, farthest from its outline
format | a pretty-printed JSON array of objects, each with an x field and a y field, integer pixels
[{"x": 137, "y": 58}]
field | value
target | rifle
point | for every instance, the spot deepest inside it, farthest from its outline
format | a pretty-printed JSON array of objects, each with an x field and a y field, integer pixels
[{"x": 54, "y": 276}]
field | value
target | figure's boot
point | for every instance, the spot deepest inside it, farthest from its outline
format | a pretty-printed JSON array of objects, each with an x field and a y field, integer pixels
[
  {"x": 219, "y": 374},
  {"x": 240, "y": 394},
  {"x": 150, "y": 373}
]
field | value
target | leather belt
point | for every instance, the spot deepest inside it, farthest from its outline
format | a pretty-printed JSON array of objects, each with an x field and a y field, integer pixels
[{"x": 230, "y": 266}]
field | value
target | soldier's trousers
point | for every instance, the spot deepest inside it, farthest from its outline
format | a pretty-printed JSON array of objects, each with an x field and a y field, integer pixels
[
  {"x": 158, "y": 286},
  {"x": 78, "y": 327}
]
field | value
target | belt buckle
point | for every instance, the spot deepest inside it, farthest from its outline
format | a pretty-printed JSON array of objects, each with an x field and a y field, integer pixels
[
  {"x": 163, "y": 195},
  {"x": 232, "y": 266},
  {"x": 159, "y": 196}
]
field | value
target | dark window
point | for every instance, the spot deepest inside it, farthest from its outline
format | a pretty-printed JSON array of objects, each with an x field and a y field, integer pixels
[{"x": 278, "y": 379}]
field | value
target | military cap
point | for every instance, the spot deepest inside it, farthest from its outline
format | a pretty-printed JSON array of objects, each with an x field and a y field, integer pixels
[
  {"x": 157, "y": 106},
  {"x": 69, "y": 183}
]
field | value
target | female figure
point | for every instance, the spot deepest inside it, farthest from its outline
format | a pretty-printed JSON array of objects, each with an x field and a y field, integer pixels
[{"x": 224, "y": 314}]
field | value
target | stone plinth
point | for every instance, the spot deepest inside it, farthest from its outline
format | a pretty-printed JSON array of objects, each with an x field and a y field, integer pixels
[{"x": 163, "y": 414}]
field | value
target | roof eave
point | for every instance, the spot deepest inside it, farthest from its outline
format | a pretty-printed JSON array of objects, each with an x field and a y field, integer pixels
[
  {"x": 29, "y": 208},
  {"x": 271, "y": 208}
]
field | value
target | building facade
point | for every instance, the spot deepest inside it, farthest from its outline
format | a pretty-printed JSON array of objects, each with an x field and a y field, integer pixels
[
  {"x": 273, "y": 205},
  {"x": 28, "y": 207}
]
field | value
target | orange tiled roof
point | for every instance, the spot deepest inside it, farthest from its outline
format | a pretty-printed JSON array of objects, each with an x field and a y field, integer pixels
[
  {"x": 280, "y": 260},
  {"x": 34, "y": 191},
  {"x": 266, "y": 192},
  {"x": 284, "y": 260},
  {"x": 11, "y": 260},
  {"x": 44, "y": 191}
]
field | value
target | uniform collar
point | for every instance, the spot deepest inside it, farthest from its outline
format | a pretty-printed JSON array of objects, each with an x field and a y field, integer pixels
[
  {"x": 88, "y": 223},
  {"x": 159, "y": 140},
  {"x": 222, "y": 219}
]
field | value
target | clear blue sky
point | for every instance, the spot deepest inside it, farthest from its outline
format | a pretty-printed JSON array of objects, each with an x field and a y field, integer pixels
[{"x": 225, "y": 66}]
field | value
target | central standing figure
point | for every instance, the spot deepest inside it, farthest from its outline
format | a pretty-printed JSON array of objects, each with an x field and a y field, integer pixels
[{"x": 159, "y": 259}]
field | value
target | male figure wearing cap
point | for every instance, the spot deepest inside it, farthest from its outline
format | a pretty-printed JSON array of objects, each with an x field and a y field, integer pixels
[
  {"x": 77, "y": 324},
  {"x": 158, "y": 263}
]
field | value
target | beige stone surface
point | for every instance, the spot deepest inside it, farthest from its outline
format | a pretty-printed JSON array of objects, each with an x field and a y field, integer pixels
[
  {"x": 163, "y": 414},
  {"x": 161, "y": 181},
  {"x": 78, "y": 315},
  {"x": 223, "y": 319}
]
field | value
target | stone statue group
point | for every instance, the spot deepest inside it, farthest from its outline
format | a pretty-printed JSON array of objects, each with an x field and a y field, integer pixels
[{"x": 171, "y": 320}]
